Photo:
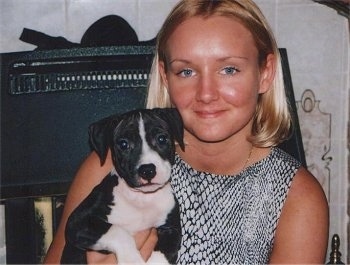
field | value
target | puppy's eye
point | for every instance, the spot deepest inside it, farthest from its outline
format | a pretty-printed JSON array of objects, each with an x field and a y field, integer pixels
[
  {"x": 123, "y": 144},
  {"x": 162, "y": 139}
]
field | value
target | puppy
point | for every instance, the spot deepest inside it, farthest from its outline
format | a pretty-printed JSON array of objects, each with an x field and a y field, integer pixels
[{"x": 135, "y": 195}]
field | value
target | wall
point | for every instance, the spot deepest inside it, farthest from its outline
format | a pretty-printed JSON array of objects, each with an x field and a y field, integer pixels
[{"x": 317, "y": 41}]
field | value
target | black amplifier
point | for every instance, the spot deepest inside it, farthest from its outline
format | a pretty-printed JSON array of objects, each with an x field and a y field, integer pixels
[{"x": 48, "y": 100}]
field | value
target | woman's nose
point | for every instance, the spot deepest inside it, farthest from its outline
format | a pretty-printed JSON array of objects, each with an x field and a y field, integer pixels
[{"x": 207, "y": 89}]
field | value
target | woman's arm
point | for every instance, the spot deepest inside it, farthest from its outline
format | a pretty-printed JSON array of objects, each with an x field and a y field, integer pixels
[
  {"x": 88, "y": 176},
  {"x": 302, "y": 231}
]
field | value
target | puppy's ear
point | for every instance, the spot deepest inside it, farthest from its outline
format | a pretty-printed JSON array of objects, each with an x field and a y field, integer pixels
[
  {"x": 173, "y": 118},
  {"x": 100, "y": 137}
]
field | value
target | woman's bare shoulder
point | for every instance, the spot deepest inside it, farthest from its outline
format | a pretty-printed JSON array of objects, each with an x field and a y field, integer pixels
[
  {"x": 306, "y": 187},
  {"x": 303, "y": 224}
]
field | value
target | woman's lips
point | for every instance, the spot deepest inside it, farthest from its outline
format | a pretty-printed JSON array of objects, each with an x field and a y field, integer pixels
[{"x": 208, "y": 114}]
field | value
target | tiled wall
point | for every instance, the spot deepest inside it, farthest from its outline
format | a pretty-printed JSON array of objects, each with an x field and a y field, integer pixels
[{"x": 317, "y": 41}]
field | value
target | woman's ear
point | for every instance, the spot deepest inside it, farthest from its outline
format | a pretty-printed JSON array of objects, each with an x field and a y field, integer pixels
[
  {"x": 267, "y": 74},
  {"x": 162, "y": 72}
]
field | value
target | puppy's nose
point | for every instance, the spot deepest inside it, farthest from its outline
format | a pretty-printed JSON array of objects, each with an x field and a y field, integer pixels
[{"x": 147, "y": 171}]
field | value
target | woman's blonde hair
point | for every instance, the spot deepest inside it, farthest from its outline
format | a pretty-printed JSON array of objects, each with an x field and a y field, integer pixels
[{"x": 272, "y": 121}]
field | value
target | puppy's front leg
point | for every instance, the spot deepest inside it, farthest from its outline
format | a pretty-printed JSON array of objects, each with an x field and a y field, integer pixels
[{"x": 122, "y": 243}]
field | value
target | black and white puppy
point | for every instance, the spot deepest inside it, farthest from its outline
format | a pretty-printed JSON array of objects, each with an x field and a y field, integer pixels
[{"x": 136, "y": 195}]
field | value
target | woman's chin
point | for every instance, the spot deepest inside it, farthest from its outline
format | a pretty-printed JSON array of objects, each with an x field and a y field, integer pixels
[{"x": 211, "y": 137}]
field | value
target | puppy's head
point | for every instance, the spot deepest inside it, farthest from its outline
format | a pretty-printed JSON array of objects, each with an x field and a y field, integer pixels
[{"x": 142, "y": 144}]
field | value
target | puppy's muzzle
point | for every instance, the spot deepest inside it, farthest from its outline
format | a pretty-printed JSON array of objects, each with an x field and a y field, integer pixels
[{"x": 147, "y": 172}]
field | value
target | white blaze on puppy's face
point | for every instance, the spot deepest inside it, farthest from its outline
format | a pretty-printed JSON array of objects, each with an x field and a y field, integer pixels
[{"x": 150, "y": 156}]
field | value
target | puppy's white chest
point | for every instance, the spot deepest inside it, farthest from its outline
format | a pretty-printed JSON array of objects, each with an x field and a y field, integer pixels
[{"x": 135, "y": 211}]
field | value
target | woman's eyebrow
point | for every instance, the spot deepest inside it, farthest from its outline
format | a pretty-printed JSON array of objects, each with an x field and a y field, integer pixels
[
  {"x": 220, "y": 59},
  {"x": 232, "y": 57},
  {"x": 179, "y": 60}
]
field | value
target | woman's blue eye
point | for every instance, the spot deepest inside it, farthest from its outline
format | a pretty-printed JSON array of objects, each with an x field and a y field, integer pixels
[
  {"x": 186, "y": 73},
  {"x": 123, "y": 144},
  {"x": 162, "y": 139},
  {"x": 230, "y": 70}
]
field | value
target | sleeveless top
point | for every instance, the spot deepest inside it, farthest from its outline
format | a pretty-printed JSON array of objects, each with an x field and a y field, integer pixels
[{"x": 232, "y": 219}]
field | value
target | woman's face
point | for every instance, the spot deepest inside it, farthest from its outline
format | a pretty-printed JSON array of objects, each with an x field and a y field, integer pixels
[{"x": 213, "y": 77}]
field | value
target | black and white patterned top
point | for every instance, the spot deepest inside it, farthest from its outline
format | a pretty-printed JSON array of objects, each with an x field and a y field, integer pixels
[{"x": 232, "y": 219}]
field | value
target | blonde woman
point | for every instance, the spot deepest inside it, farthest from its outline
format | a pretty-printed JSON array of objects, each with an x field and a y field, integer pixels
[{"x": 242, "y": 199}]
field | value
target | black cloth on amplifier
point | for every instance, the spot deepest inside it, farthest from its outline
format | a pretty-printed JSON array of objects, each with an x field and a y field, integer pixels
[{"x": 111, "y": 30}]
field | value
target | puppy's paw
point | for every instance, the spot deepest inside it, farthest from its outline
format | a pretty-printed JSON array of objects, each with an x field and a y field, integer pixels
[{"x": 157, "y": 257}]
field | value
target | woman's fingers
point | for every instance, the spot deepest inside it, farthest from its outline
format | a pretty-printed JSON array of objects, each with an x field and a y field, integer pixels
[
  {"x": 94, "y": 257},
  {"x": 146, "y": 242}
]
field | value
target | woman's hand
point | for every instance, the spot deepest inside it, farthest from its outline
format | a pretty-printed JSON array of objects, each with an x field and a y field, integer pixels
[
  {"x": 145, "y": 242},
  {"x": 94, "y": 257}
]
